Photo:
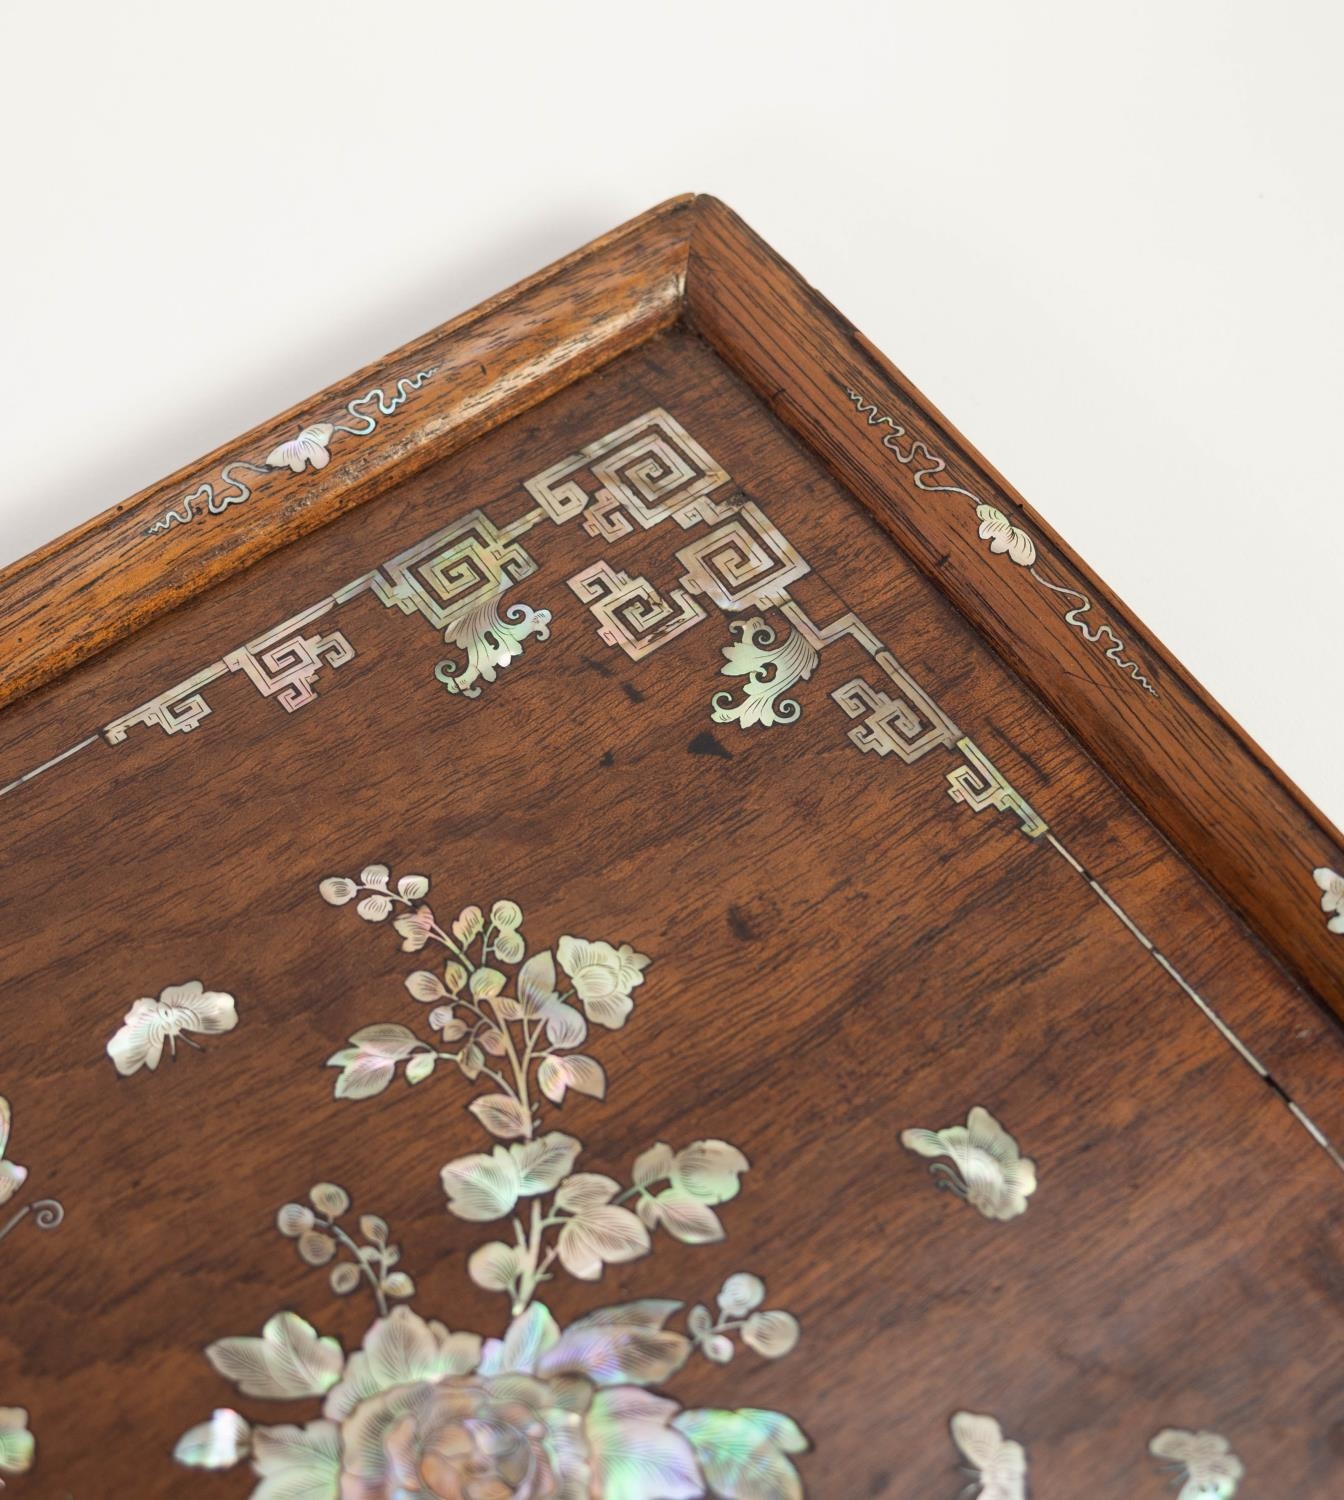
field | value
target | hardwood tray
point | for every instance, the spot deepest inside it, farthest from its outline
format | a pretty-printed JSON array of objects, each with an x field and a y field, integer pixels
[{"x": 525, "y": 874}]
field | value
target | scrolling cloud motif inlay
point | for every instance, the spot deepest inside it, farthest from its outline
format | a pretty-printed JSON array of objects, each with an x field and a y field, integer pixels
[
  {"x": 293, "y": 455},
  {"x": 543, "y": 1412},
  {"x": 1003, "y": 537}
]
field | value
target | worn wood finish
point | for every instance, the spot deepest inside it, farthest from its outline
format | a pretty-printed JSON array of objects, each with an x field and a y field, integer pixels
[
  {"x": 840, "y": 952},
  {"x": 93, "y": 586}
]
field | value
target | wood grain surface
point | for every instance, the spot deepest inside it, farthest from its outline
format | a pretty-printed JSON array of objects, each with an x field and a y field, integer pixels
[{"x": 840, "y": 952}]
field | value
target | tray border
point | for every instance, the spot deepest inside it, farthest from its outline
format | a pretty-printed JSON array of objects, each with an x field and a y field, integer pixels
[{"x": 1184, "y": 761}]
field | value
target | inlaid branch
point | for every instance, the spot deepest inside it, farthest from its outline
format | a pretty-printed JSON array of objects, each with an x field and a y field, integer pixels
[{"x": 521, "y": 1032}]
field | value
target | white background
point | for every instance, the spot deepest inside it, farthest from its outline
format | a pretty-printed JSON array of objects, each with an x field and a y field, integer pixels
[{"x": 1106, "y": 240}]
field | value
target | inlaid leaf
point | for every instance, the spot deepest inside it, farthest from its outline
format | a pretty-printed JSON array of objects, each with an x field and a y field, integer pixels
[
  {"x": 420, "y": 1067},
  {"x": 608, "y": 1235},
  {"x": 536, "y": 983},
  {"x": 688, "y": 1219},
  {"x": 923, "y": 1142},
  {"x": 524, "y": 1344},
  {"x": 12, "y": 1178},
  {"x": 329, "y": 1198},
  {"x": 413, "y": 887},
  {"x": 552, "y": 1079},
  {"x": 375, "y": 908},
  {"x": 584, "y": 1191},
  {"x": 501, "y": 1115},
  {"x": 491, "y": 1039},
  {"x": 289, "y": 1360},
  {"x": 337, "y": 890},
  {"x": 485, "y": 984},
  {"x": 316, "y": 1248},
  {"x": 1003, "y": 536},
  {"x": 471, "y": 1061},
  {"x": 220, "y": 1443},
  {"x": 17, "y": 1444},
  {"x": 586, "y": 1076},
  {"x": 362, "y": 1074},
  {"x": 582, "y": 1074},
  {"x": 415, "y": 928},
  {"x": 543, "y": 1163},
  {"x": 506, "y": 914},
  {"x": 425, "y": 987},
  {"x": 565, "y": 1026},
  {"x": 454, "y": 976},
  {"x": 297, "y": 1463},
  {"x": 626, "y": 1344},
  {"x": 481, "y": 1188},
  {"x": 399, "y": 1285},
  {"x": 468, "y": 926},
  {"x": 443, "y": 1019},
  {"x": 387, "y": 1039},
  {"x": 634, "y": 1452},
  {"x": 740, "y": 1294},
  {"x": 293, "y": 1219},
  {"x": 744, "y": 1454},
  {"x": 508, "y": 946},
  {"x": 495, "y": 1266},
  {"x": 709, "y": 1170},
  {"x": 374, "y": 876},
  {"x": 653, "y": 1165},
  {"x": 772, "y": 1334},
  {"x": 344, "y": 1278},
  {"x": 373, "y": 1228}
]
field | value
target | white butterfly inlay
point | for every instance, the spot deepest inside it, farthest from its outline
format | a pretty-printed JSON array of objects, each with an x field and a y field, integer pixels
[
  {"x": 998, "y": 1465},
  {"x": 310, "y": 447}
]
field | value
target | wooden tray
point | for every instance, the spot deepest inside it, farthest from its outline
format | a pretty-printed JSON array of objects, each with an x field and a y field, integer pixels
[{"x": 739, "y": 816}]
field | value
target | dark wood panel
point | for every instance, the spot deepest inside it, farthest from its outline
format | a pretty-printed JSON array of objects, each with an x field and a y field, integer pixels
[{"x": 840, "y": 952}]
